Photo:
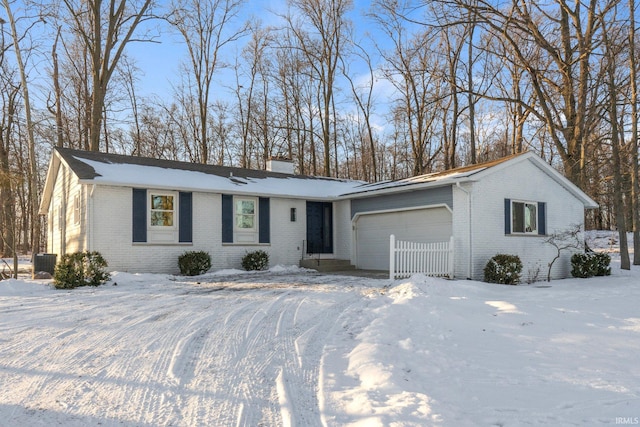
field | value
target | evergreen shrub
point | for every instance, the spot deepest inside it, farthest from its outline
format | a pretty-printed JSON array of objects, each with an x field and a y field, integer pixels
[
  {"x": 256, "y": 260},
  {"x": 504, "y": 269},
  {"x": 80, "y": 269},
  {"x": 590, "y": 264},
  {"x": 194, "y": 263}
]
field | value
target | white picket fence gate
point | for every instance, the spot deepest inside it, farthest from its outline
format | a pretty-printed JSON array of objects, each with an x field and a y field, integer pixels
[{"x": 432, "y": 259}]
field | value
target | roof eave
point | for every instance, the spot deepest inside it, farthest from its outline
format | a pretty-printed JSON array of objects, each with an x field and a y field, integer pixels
[
  {"x": 405, "y": 188},
  {"x": 239, "y": 191},
  {"x": 537, "y": 161},
  {"x": 49, "y": 183},
  {"x": 587, "y": 201}
]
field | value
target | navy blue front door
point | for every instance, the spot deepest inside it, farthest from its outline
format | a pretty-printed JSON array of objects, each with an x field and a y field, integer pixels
[{"x": 319, "y": 228}]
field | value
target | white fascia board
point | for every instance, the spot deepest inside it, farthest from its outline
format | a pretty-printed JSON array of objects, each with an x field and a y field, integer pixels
[
  {"x": 587, "y": 201},
  {"x": 533, "y": 158},
  {"x": 49, "y": 184},
  {"x": 405, "y": 188},
  {"x": 239, "y": 192}
]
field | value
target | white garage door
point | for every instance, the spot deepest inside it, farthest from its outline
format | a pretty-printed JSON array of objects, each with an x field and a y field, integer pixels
[{"x": 373, "y": 231}]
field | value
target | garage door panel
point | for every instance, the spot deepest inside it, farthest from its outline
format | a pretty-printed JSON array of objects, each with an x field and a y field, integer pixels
[{"x": 373, "y": 231}]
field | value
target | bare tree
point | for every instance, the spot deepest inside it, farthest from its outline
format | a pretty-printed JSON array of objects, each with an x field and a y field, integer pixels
[
  {"x": 72, "y": 92},
  {"x": 512, "y": 87},
  {"x": 56, "y": 109},
  {"x": 9, "y": 92},
  {"x": 414, "y": 70},
  {"x": 612, "y": 50},
  {"x": 322, "y": 41},
  {"x": 363, "y": 96},
  {"x": 221, "y": 127},
  {"x": 247, "y": 90},
  {"x": 292, "y": 78},
  {"x": 451, "y": 38},
  {"x": 204, "y": 27},
  {"x": 567, "y": 35},
  {"x": 127, "y": 75},
  {"x": 635, "y": 172},
  {"x": 105, "y": 29},
  {"x": 32, "y": 171},
  {"x": 569, "y": 239}
]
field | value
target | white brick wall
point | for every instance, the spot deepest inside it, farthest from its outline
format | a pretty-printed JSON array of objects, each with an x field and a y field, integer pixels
[
  {"x": 111, "y": 233},
  {"x": 74, "y": 240},
  {"x": 461, "y": 228},
  {"x": 286, "y": 237},
  {"x": 342, "y": 229},
  {"x": 524, "y": 182},
  {"x": 113, "y": 238}
]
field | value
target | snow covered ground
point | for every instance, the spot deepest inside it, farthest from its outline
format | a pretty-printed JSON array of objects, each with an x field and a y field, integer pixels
[{"x": 294, "y": 347}]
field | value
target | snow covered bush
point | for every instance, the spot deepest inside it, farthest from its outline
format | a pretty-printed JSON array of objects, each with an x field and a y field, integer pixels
[
  {"x": 503, "y": 269},
  {"x": 256, "y": 260},
  {"x": 80, "y": 269},
  {"x": 590, "y": 264},
  {"x": 194, "y": 263}
]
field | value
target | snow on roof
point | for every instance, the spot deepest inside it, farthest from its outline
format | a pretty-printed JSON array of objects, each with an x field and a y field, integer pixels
[
  {"x": 131, "y": 171},
  {"x": 113, "y": 169},
  {"x": 435, "y": 178}
]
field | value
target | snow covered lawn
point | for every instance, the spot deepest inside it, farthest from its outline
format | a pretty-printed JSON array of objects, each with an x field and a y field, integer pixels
[{"x": 293, "y": 347}]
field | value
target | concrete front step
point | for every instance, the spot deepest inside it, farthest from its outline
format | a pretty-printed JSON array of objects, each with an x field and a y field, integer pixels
[{"x": 324, "y": 265}]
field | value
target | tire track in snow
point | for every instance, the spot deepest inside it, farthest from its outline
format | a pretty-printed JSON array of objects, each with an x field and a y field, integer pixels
[{"x": 218, "y": 354}]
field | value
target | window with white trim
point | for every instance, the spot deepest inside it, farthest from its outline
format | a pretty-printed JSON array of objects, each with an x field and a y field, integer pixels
[
  {"x": 76, "y": 208},
  {"x": 245, "y": 220},
  {"x": 162, "y": 210},
  {"x": 60, "y": 216},
  {"x": 524, "y": 217},
  {"x": 245, "y": 214}
]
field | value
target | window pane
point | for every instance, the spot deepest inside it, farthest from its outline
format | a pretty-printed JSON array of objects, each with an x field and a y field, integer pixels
[
  {"x": 245, "y": 207},
  {"x": 517, "y": 215},
  {"x": 162, "y": 202},
  {"x": 162, "y": 219},
  {"x": 244, "y": 221},
  {"x": 76, "y": 209},
  {"x": 530, "y": 218}
]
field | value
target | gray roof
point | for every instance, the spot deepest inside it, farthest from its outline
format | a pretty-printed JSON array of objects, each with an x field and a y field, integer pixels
[
  {"x": 86, "y": 172},
  {"x": 144, "y": 172}
]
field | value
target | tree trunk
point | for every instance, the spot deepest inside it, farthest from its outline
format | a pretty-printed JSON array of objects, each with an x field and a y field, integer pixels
[
  {"x": 33, "y": 170},
  {"x": 470, "y": 88},
  {"x": 635, "y": 185},
  {"x": 618, "y": 183},
  {"x": 58, "y": 92}
]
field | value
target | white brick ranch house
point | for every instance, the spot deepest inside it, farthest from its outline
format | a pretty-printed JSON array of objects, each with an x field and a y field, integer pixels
[{"x": 142, "y": 213}]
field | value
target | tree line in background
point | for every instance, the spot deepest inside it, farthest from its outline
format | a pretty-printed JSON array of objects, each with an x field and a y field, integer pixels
[{"x": 441, "y": 84}]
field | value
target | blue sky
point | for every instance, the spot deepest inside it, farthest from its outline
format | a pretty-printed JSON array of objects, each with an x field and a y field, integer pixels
[{"x": 160, "y": 62}]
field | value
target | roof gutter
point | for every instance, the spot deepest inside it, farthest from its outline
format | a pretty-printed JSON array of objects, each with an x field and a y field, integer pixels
[
  {"x": 405, "y": 188},
  {"x": 238, "y": 191}
]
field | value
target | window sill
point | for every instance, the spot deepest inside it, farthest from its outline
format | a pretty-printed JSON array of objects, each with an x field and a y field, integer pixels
[
  {"x": 525, "y": 235},
  {"x": 246, "y": 244},
  {"x": 162, "y": 243}
]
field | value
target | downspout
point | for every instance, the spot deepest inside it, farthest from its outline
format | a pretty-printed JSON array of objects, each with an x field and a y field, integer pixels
[
  {"x": 470, "y": 263},
  {"x": 90, "y": 219}
]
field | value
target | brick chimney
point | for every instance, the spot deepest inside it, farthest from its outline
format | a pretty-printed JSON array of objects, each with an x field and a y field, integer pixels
[{"x": 281, "y": 164}]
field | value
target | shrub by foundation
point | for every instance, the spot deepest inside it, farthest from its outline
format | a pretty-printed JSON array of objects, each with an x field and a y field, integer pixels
[
  {"x": 257, "y": 260},
  {"x": 590, "y": 264},
  {"x": 194, "y": 263},
  {"x": 80, "y": 269},
  {"x": 503, "y": 269}
]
